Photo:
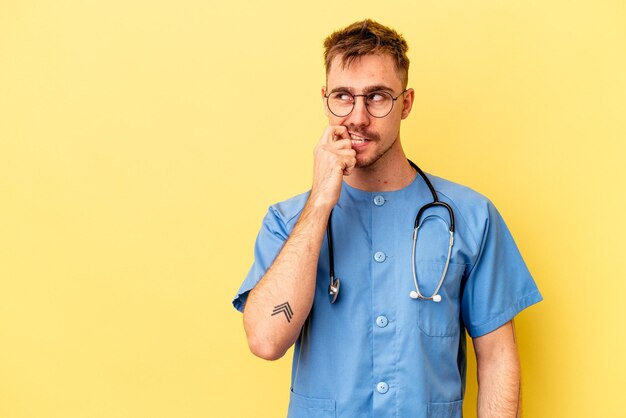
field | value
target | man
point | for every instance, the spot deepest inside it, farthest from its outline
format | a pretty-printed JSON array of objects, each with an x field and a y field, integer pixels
[{"x": 387, "y": 337}]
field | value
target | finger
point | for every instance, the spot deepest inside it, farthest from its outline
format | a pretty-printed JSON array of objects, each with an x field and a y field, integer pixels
[
  {"x": 349, "y": 162},
  {"x": 349, "y": 169},
  {"x": 340, "y": 132},
  {"x": 350, "y": 153},
  {"x": 341, "y": 144},
  {"x": 335, "y": 132}
]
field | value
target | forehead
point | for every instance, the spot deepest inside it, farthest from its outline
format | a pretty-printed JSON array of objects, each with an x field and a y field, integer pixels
[{"x": 368, "y": 70}]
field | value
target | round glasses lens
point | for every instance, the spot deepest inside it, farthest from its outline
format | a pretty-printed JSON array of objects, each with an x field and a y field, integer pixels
[
  {"x": 340, "y": 103},
  {"x": 379, "y": 104}
]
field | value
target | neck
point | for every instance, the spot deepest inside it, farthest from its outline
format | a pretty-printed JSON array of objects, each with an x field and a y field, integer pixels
[{"x": 389, "y": 173}]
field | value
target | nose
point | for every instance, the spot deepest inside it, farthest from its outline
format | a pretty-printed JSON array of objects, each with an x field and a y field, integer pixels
[{"x": 359, "y": 115}]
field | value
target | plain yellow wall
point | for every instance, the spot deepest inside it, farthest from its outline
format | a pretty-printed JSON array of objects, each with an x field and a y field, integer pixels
[{"x": 142, "y": 141}]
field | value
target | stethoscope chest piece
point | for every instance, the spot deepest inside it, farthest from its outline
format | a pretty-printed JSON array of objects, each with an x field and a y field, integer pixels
[{"x": 333, "y": 289}]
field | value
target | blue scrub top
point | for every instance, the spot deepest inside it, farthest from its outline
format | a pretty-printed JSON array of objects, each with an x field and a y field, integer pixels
[{"x": 376, "y": 352}]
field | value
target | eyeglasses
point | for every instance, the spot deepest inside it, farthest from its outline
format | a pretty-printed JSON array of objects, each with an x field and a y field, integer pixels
[{"x": 377, "y": 103}]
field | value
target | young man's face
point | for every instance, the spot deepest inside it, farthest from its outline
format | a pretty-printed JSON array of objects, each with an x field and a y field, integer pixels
[{"x": 372, "y": 138}]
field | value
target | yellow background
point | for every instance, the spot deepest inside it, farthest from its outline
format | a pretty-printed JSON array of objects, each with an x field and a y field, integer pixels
[{"x": 141, "y": 143}]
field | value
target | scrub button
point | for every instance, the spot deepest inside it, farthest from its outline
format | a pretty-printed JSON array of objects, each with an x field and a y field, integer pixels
[
  {"x": 380, "y": 256},
  {"x": 382, "y": 387},
  {"x": 379, "y": 200},
  {"x": 382, "y": 321}
]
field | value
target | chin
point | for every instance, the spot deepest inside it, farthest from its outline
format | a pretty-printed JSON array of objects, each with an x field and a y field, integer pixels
[
  {"x": 365, "y": 162},
  {"x": 369, "y": 157}
]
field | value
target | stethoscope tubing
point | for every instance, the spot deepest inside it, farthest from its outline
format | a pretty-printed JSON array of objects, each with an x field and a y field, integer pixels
[{"x": 333, "y": 288}]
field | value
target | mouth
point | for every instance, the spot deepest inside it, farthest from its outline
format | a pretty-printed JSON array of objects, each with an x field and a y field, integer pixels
[{"x": 357, "y": 139}]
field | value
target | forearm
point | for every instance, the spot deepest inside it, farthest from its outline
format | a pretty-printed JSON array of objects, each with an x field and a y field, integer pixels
[
  {"x": 280, "y": 303},
  {"x": 499, "y": 387},
  {"x": 499, "y": 390},
  {"x": 272, "y": 326}
]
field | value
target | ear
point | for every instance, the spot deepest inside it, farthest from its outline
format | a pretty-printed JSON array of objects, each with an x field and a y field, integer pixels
[
  {"x": 407, "y": 103},
  {"x": 324, "y": 100}
]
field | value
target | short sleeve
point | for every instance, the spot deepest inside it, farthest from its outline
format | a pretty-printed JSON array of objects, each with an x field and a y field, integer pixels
[
  {"x": 499, "y": 285},
  {"x": 269, "y": 242}
]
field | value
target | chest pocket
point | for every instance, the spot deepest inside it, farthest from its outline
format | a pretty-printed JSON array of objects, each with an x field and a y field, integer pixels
[{"x": 439, "y": 319}]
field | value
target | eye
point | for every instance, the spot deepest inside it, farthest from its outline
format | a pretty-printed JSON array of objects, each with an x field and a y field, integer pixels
[
  {"x": 376, "y": 97},
  {"x": 342, "y": 97}
]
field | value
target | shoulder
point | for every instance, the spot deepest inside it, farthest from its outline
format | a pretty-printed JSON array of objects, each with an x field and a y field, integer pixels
[
  {"x": 288, "y": 211},
  {"x": 462, "y": 196},
  {"x": 474, "y": 209}
]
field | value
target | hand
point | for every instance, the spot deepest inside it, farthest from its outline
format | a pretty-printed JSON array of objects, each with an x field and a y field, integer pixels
[{"x": 334, "y": 158}]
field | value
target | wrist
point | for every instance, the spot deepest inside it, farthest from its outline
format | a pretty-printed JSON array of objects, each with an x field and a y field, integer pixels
[{"x": 320, "y": 204}]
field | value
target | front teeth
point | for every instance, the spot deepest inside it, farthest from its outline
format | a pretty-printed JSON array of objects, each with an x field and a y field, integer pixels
[{"x": 357, "y": 139}]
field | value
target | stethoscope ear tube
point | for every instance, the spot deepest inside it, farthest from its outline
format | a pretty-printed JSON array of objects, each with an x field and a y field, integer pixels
[
  {"x": 433, "y": 204},
  {"x": 416, "y": 294}
]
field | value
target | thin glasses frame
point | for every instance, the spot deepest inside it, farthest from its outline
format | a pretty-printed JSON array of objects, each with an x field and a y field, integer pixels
[{"x": 354, "y": 96}]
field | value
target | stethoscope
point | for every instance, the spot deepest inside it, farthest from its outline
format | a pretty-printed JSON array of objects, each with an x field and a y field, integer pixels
[{"x": 333, "y": 288}]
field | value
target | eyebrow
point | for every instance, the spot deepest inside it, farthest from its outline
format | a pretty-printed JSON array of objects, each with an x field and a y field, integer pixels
[{"x": 366, "y": 90}]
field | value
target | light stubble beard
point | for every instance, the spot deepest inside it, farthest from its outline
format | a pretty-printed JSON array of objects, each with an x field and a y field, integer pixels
[{"x": 370, "y": 163}]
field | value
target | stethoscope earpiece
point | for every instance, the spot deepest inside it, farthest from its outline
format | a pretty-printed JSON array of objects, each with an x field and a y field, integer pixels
[{"x": 413, "y": 295}]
